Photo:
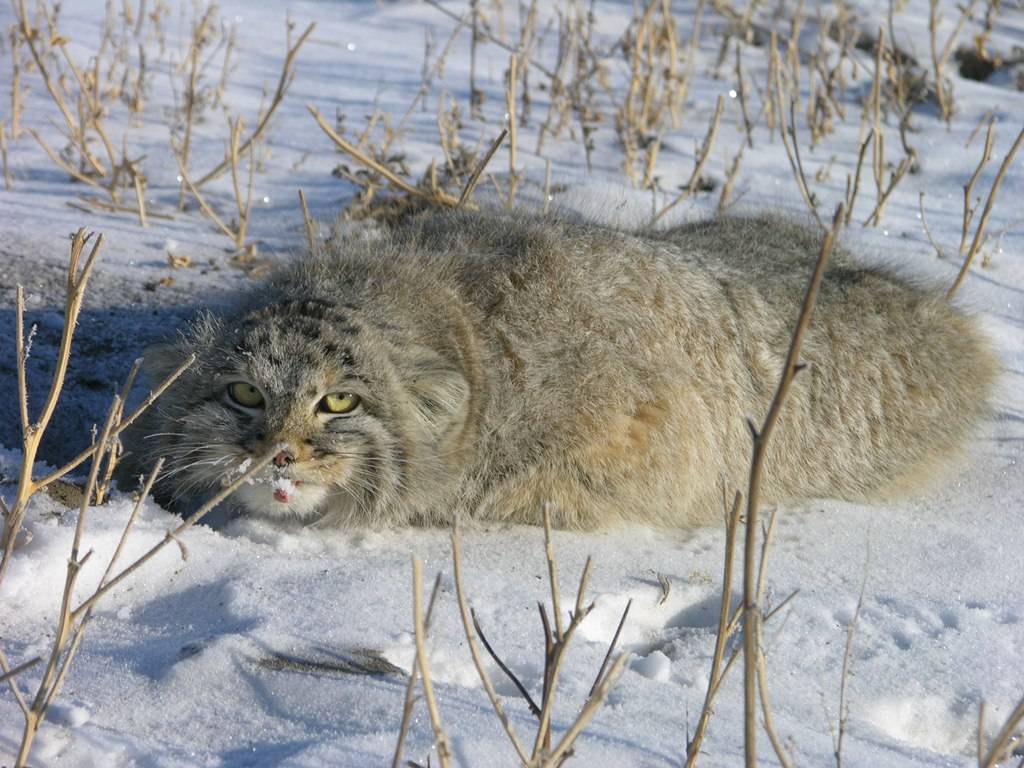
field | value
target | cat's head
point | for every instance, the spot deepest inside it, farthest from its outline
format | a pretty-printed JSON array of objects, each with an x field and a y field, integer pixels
[{"x": 369, "y": 412}]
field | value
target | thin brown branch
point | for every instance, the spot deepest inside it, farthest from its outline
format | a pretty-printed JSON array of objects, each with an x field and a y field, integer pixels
[
  {"x": 467, "y": 626},
  {"x": 989, "y": 202},
  {"x": 308, "y": 221},
  {"x": 534, "y": 709},
  {"x": 357, "y": 154},
  {"x": 701, "y": 160},
  {"x": 139, "y": 410},
  {"x": 410, "y": 688},
  {"x": 1003, "y": 740},
  {"x": 467, "y": 191},
  {"x": 751, "y": 606},
  {"x": 283, "y": 82},
  {"x": 440, "y": 738},
  {"x": 722, "y": 635},
  {"x": 173, "y": 535}
]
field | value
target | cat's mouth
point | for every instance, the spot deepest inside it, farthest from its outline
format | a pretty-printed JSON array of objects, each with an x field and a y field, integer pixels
[{"x": 279, "y": 492}]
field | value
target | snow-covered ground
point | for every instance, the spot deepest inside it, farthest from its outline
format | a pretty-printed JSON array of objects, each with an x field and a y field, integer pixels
[{"x": 254, "y": 651}]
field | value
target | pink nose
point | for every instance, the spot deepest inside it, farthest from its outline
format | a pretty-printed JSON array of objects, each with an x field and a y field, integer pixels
[{"x": 283, "y": 458}]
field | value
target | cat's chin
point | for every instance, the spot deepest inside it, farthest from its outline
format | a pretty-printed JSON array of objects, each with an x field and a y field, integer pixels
[{"x": 282, "y": 498}]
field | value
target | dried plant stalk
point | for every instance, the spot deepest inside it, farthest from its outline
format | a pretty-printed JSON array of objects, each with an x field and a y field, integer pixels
[
  {"x": 3, "y": 155},
  {"x": 979, "y": 233},
  {"x": 440, "y": 197},
  {"x": 263, "y": 120},
  {"x": 410, "y": 688},
  {"x": 702, "y": 158},
  {"x": 307, "y": 220},
  {"x": 752, "y": 608},
  {"x": 732, "y": 521},
  {"x": 440, "y": 738}
]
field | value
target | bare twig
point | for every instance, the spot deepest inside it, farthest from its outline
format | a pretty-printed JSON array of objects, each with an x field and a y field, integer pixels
[
  {"x": 467, "y": 626},
  {"x": 751, "y": 605},
  {"x": 983, "y": 222},
  {"x": 467, "y": 191},
  {"x": 851, "y": 628},
  {"x": 3, "y": 154},
  {"x": 731, "y": 526},
  {"x": 308, "y": 221},
  {"x": 283, "y": 82},
  {"x": 969, "y": 206},
  {"x": 1001, "y": 745},
  {"x": 440, "y": 738},
  {"x": 701, "y": 161},
  {"x": 410, "y": 689},
  {"x": 924, "y": 225},
  {"x": 439, "y": 197}
]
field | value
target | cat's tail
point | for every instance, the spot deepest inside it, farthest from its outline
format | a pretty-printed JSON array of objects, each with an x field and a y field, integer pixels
[{"x": 899, "y": 381}]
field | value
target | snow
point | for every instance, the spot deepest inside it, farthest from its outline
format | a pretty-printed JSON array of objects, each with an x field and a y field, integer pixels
[{"x": 279, "y": 645}]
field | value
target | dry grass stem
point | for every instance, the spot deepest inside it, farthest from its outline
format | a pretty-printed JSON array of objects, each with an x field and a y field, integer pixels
[
  {"x": 979, "y": 233},
  {"x": 32, "y": 37},
  {"x": 14, "y": 40},
  {"x": 943, "y": 87},
  {"x": 410, "y": 688},
  {"x": 32, "y": 433},
  {"x": 307, "y": 220},
  {"x": 439, "y": 197},
  {"x": 210, "y": 213},
  {"x": 970, "y": 205},
  {"x": 790, "y": 140},
  {"x": 1004, "y": 742},
  {"x": 853, "y": 183},
  {"x": 468, "y": 628},
  {"x": 263, "y": 119},
  {"x": 474, "y": 178},
  {"x": 3, "y": 155},
  {"x": 851, "y": 629},
  {"x": 752, "y": 609},
  {"x": 440, "y": 738},
  {"x": 556, "y": 641},
  {"x": 481, "y": 33},
  {"x": 510, "y": 105},
  {"x": 701, "y": 160},
  {"x": 924, "y": 225},
  {"x": 9, "y": 673},
  {"x": 732, "y": 521},
  {"x": 123, "y": 425},
  {"x": 766, "y": 711}
]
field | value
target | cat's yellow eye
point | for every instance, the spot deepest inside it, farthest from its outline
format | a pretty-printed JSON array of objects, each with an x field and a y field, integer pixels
[
  {"x": 339, "y": 402},
  {"x": 245, "y": 394}
]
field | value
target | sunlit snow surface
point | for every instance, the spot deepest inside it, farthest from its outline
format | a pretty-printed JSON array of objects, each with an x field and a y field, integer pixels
[{"x": 253, "y": 652}]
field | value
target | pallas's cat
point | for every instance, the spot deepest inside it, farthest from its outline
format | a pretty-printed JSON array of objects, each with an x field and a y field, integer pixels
[{"x": 487, "y": 364}]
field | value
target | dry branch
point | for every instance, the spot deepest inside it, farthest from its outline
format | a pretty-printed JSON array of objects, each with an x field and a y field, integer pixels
[
  {"x": 752, "y": 609},
  {"x": 440, "y": 738},
  {"x": 989, "y": 202},
  {"x": 732, "y": 521},
  {"x": 701, "y": 160},
  {"x": 438, "y": 198},
  {"x": 283, "y": 83},
  {"x": 410, "y": 689}
]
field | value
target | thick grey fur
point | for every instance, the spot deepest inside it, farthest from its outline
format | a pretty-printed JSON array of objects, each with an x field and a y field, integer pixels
[{"x": 508, "y": 361}]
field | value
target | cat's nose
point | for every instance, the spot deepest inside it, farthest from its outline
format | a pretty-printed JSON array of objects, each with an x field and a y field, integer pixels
[{"x": 284, "y": 458}]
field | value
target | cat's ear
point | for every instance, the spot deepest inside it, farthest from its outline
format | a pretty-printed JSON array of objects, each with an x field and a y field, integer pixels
[
  {"x": 439, "y": 393},
  {"x": 161, "y": 360}
]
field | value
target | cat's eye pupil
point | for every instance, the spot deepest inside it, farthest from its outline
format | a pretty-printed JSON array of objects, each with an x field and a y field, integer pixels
[
  {"x": 245, "y": 394},
  {"x": 339, "y": 402}
]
